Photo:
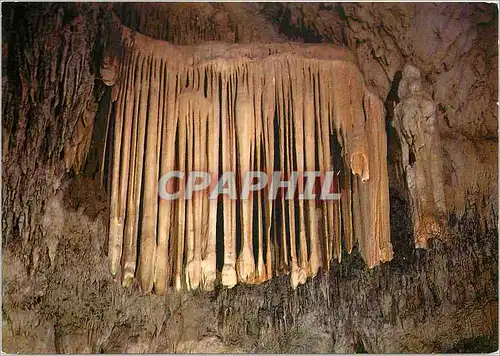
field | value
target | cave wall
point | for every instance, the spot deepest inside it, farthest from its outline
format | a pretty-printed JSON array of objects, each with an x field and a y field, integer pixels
[
  {"x": 50, "y": 96},
  {"x": 58, "y": 295}
]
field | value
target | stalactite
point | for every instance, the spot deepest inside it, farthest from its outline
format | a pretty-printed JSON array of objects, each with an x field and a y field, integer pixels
[
  {"x": 294, "y": 266},
  {"x": 190, "y": 203},
  {"x": 209, "y": 262},
  {"x": 324, "y": 161},
  {"x": 181, "y": 217},
  {"x": 297, "y": 98},
  {"x": 244, "y": 122},
  {"x": 180, "y": 109},
  {"x": 229, "y": 277},
  {"x": 166, "y": 207},
  {"x": 105, "y": 147},
  {"x": 126, "y": 138},
  {"x": 115, "y": 240},
  {"x": 130, "y": 234},
  {"x": 310, "y": 165},
  {"x": 379, "y": 185},
  {"x": 268, "y": 107},
  {"x": 145, "y": 267},
  {"x": 260, "y": 272},
  {"x": 346, "y": 210},
  {"x": 282, "y": 267}
]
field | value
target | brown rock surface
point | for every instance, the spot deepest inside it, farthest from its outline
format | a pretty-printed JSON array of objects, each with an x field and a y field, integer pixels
[{"x": 58, "y": 295}]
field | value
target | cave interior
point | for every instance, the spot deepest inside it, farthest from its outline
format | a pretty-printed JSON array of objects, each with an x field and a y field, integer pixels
[{"x": 102, "y": 100}]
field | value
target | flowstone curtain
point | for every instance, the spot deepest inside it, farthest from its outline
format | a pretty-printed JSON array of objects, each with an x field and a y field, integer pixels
[{"x": 220, "y": 108}]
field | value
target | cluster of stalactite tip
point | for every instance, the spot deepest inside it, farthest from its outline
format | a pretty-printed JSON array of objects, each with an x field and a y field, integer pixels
[{"x": 238, "y": 108}]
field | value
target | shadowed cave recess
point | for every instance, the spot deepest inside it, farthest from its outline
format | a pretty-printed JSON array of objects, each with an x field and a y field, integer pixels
[{"x": 101, "y": 100}]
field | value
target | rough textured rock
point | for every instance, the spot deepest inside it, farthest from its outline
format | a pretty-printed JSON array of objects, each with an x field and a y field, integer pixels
[
  {"x": 71, "y": 303},
  {"x": 58, "y": 295},
  {"x": 186, "y": 24},
  {"x": 49, "y": 102},
  {"x": 415, "y": 123}
]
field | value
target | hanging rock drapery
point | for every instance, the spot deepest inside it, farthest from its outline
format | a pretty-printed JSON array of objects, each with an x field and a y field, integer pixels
[{"x": 237, "y": 108}]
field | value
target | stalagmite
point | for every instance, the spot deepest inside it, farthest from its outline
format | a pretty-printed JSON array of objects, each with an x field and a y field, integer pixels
[
  {"x": 415, "y": 123},
  {"x": 181, "y": 108}
]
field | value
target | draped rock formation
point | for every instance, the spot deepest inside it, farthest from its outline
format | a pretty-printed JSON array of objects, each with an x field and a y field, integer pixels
[
  {"x": 58, "y": 118},
  {"x": 416, "y": 126},
  {"x": 237, "y": 108},
  {"x": 439, "y": 187}
]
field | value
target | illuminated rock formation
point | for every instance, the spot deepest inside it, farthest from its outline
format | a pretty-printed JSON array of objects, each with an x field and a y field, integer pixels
[
  {"x": 171, "y": 103},
  {"x": 64, "y": 69},
  {"x": 416, "y": 126}
]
